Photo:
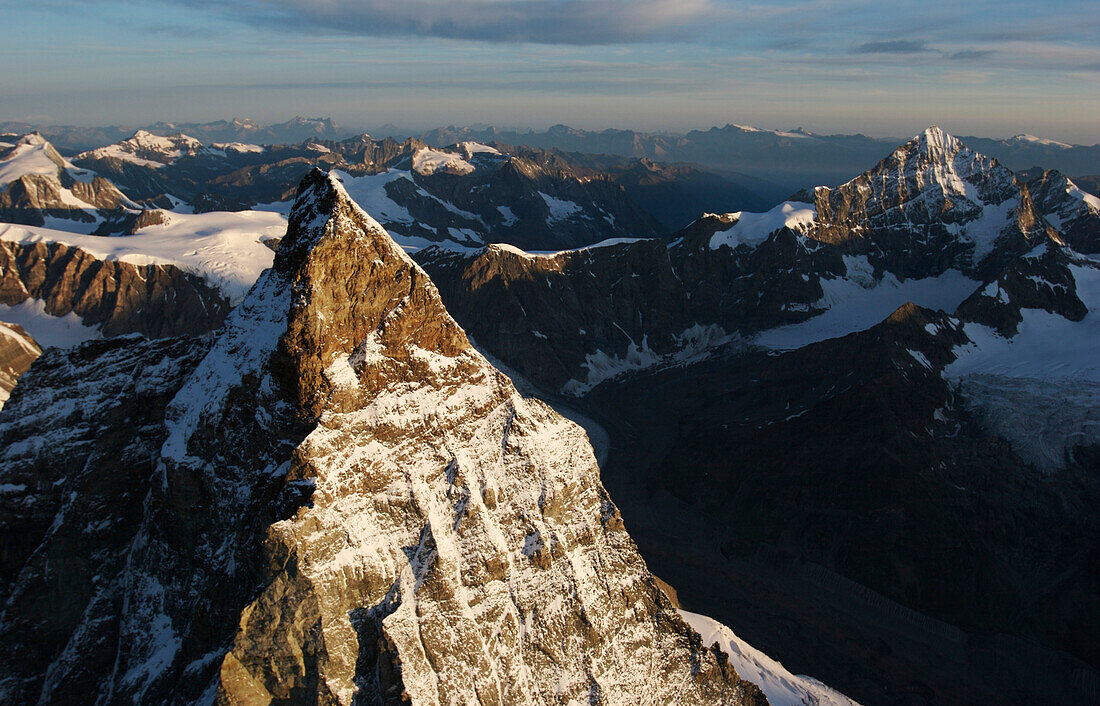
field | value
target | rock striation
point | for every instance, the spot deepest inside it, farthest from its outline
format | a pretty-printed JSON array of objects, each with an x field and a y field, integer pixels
[
  {"x": 17, "y": 351},
  {"x": 112, "y": 296}
]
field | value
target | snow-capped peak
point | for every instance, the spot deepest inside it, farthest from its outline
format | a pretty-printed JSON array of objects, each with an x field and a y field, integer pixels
[
  {"x": 148, "y": 150},
  {"x": 428, "y": 161},
  {"x": 1032, "y": 139},
  {"x": 31, "y": 155},
  {"x": 148, "y": 141},
  {"x": 33, "y": 139}
]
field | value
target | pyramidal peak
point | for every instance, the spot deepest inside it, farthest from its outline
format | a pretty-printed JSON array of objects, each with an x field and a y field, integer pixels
[
  {"x": 935, "y": 140},
  {"x": 382, "y": 514}
]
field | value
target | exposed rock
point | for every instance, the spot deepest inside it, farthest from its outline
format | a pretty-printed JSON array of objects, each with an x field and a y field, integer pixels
[
  {"x": 352, "y": 505},
  {"x": 1070, "y": 209},
  {"x": 1040, "y": 280},
  {"x": 37, "y": 183},
  {"x": 115, "y": 297},
  {"x": 17, "y": 351},
  {"x": 79, "y": 441}
]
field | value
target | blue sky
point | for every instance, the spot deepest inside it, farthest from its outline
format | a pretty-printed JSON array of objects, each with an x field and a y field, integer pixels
[{"x": 882, "y": 68}]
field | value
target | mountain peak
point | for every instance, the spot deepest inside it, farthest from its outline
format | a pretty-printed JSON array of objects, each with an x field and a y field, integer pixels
[
  {"x": 33, "y": 138},
  {"x": 936, "y": 142},
  {"x": 321, "y": 204}
]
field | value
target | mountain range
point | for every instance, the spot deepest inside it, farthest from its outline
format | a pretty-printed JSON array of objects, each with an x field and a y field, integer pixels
[{"x": 858, "y": 426}]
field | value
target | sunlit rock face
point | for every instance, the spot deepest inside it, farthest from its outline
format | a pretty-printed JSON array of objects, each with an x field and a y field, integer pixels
[{"x": 351, "y": 505}]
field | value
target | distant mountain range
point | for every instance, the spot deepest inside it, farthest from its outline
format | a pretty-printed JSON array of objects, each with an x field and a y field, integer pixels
[
  {"x": 786, "y": 160},
  {"x": 858, "y": 426}
]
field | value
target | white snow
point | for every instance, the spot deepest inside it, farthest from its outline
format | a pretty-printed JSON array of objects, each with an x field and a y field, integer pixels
[
  {"x": 560, "y": 209},
  {"x": 28, "y": 157},
  {"x": 122, "y": 154},
  {"x": 857, "y": 302},
  {"x": 56, "y": 331},
  {"x": 143, "y": 145},
  {"x": 754, "y": 228},
  {"x": 609, "y": 243},
  {"x": 1040, "y": 389},
  {"x": 224, "y": 248},
  {"x": 780, "y": 686},
  {"x": 243, "y": 346},
  {"x": 1091, "y": 202},
  {"x": 472, "y": 148},
  {"x": 241, "y": 147},
  {"x": 1039, "y": 141},
  {"x": 428, "y": 161},
  {"x": 369, "y": 192},
  {"x": 1046, "y": 345}
]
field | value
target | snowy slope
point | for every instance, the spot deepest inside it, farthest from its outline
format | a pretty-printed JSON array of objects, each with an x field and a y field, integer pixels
[
  {"x": 1039, "y": 388},
  {"x": 223, "y": 248},
  {"x": 148, "y": 150},
  {"x": 859, "y": 301},
  {"x": 32, "y": 154},
  {"x": 754, "y": 228},
  {"x": 780, "y": 686}
]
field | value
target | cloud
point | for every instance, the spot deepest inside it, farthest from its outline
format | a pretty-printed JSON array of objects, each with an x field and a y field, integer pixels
[
  {"x": 579, "y": 22},
  {"x": 895, "y": 46},
  {"x": 969, "y": 54}
]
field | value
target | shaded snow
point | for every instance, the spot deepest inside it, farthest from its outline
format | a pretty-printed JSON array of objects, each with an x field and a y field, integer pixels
[
  {"x": 693, "y": 345},
  {"x": 56, "y": 331},
  {"x": 780, "y": 686},
  {"x": 1042, "y": 418},
  {"x": 857, "y": 302},
  {"x": 1046, "y": 345},
  {"x": 560, "y": 209},
  {"x": 1039, "y": 389}
]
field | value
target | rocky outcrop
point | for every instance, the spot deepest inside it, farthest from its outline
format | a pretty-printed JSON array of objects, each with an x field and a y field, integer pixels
[
  {"x": 80, "y": 439},
  {"x": 1040, "y": 280},
  {"x": 352, "y": 505},
  {"x": 113, "y": 296},
  {"x": 1069, "y": 208},
  {"x": 17, "y": 351},
  {"x": 37, "y": 183}
]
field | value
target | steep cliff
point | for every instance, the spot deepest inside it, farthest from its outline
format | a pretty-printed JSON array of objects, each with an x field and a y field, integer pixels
[{"x": 351, "y": 505}]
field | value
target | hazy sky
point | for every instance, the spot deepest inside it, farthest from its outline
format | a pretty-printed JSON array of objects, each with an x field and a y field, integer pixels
[{"x": 883, "y": 68}]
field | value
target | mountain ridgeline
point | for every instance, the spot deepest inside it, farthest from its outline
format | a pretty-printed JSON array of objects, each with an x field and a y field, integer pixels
[{"x": 858, "y": 426}]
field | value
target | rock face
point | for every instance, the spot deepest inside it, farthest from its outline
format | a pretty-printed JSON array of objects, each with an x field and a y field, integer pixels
[
  {"x": 17, "y": 351},
  {"x": 855, "y": 492},
  {"x": 1069, "y": 208},
  {"x": 80, "y": 440},
  {"x": 113, "y": 296},
  {"x": 351, "y": 505},
  {"x": 934, "y": 218}
]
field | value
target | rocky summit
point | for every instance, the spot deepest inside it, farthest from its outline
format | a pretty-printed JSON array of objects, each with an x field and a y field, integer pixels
[{"x": 336, "y": 500}]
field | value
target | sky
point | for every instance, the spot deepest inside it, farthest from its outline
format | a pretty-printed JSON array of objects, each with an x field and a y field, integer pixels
[{"x": 889, "y": 69}]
